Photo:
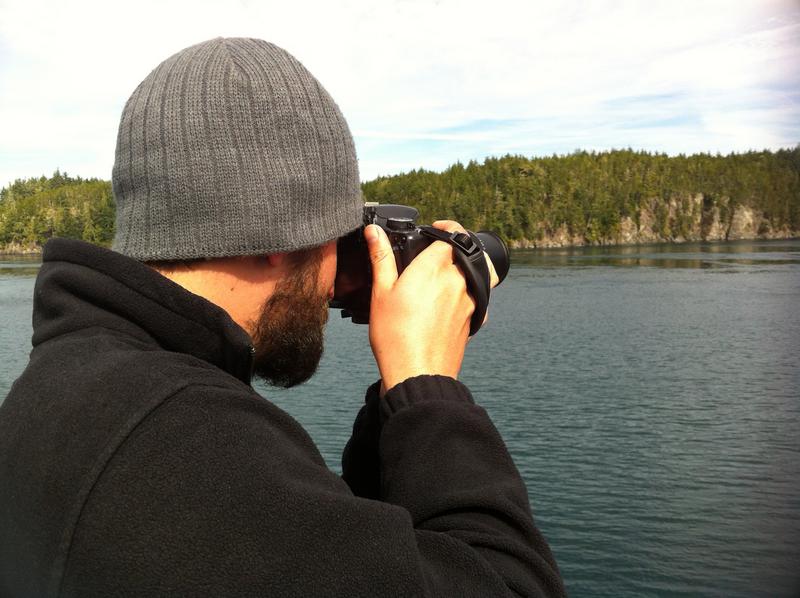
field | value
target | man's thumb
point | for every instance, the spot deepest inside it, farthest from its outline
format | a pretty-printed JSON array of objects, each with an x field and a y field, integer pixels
[{"x": 384, "y": 268}]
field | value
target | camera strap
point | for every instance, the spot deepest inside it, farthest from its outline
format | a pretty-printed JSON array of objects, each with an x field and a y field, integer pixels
[{"x": 469, "y": 257}]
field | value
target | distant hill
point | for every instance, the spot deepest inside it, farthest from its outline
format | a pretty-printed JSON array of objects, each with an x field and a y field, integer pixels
[
  {"x": 621, "y": 196},
  {"x": 584, "y": 198}
]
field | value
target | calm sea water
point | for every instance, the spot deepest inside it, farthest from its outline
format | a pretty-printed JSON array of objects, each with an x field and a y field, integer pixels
[{"x": 650, "y": 397}]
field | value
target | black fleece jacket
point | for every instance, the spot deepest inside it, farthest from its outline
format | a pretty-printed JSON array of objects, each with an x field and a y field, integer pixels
[{"x": 136, "y": 460}]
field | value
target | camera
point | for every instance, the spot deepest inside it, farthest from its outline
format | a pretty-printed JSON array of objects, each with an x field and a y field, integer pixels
[{"x": 353, "y": 286}]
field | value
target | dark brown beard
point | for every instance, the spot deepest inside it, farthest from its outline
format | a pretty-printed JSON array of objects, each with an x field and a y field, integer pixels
[{"x": 289, "y": 334}]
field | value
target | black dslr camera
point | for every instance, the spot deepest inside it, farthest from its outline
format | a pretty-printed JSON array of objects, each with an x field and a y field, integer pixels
[{"x": 353, "y": 286}]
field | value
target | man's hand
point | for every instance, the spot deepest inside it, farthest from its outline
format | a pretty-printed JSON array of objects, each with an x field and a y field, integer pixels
[{"x": 419, "y": 321}]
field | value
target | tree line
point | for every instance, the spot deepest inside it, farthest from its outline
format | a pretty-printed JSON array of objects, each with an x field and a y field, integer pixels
[{"x": 524, "y": 199}]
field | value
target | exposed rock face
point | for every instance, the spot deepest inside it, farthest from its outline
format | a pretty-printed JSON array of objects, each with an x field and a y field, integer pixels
[
  {"x": 562, "y": 238},
  {"x": 712, "y": 228},
  {"x": 699, "y": 218},
  {"x": 743, "y": 224}
]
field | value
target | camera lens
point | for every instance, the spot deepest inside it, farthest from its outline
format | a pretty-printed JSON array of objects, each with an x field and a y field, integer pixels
[{"x": 498, "y": 252}]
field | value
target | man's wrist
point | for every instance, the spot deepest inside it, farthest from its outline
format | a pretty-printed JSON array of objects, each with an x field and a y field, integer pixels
[{"x": 421, "y": 389}]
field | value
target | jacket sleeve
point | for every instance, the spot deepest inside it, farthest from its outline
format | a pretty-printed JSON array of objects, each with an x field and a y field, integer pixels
[
  {"x": 427, "y": 447},
  {"x": 218, "y": 492}
]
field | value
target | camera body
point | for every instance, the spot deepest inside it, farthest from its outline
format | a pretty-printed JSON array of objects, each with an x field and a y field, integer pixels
[
  {"x": 399, "y": 223},
  {"x": 353, "y": 286}
]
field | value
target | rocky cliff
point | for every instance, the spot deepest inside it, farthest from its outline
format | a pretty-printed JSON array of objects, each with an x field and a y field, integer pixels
[{"x": 699, "y": 218}]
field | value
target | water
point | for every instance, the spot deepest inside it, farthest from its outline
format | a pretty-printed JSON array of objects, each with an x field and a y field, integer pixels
[{"x": 650, "y": 397}]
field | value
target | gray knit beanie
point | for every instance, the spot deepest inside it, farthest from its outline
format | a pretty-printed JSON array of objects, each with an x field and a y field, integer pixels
[{"x": 231, "y": 147}]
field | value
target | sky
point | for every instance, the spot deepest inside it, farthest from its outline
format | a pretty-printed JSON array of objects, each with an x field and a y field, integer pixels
[{"x": 424, "y": 83}]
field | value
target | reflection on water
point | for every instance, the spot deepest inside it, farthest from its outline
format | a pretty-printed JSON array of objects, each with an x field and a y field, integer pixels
[
  {"x": 685, "y": 255},
  {"x": 19, "y": 265},
  {"x": 18, "y": 271}
]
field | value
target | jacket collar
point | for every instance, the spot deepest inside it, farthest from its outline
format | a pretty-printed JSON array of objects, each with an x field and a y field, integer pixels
[{"x": 82, "y": 285}]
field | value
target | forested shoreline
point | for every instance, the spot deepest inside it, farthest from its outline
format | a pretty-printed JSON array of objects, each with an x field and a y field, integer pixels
[
  {"x": 614, "y": 197},
  {"x": 583, "y": 198},
  {"x": 37, "y": 209}
]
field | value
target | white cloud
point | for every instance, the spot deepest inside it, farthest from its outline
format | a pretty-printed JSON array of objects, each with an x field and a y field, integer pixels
[{"x": 423, "y": 83}]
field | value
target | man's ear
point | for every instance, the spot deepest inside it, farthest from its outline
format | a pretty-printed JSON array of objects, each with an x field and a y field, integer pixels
[{"x": 276, "y": 260}]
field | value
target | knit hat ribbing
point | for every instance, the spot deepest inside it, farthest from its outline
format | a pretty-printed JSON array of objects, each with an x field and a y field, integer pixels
[{"x": 231, "y": 147}]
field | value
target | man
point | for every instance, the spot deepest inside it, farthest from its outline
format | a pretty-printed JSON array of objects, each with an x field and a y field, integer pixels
[{"x": 135, "y": 457}]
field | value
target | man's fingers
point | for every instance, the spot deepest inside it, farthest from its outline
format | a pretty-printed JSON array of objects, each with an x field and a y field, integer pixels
[
  {"x": 449, "y": 225},
  {"x": 384, "y": 268},
  {"x": 452, "y": 226},
  {"x": 445, "y": 250},
  {"x": 494, "y": 280}
]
